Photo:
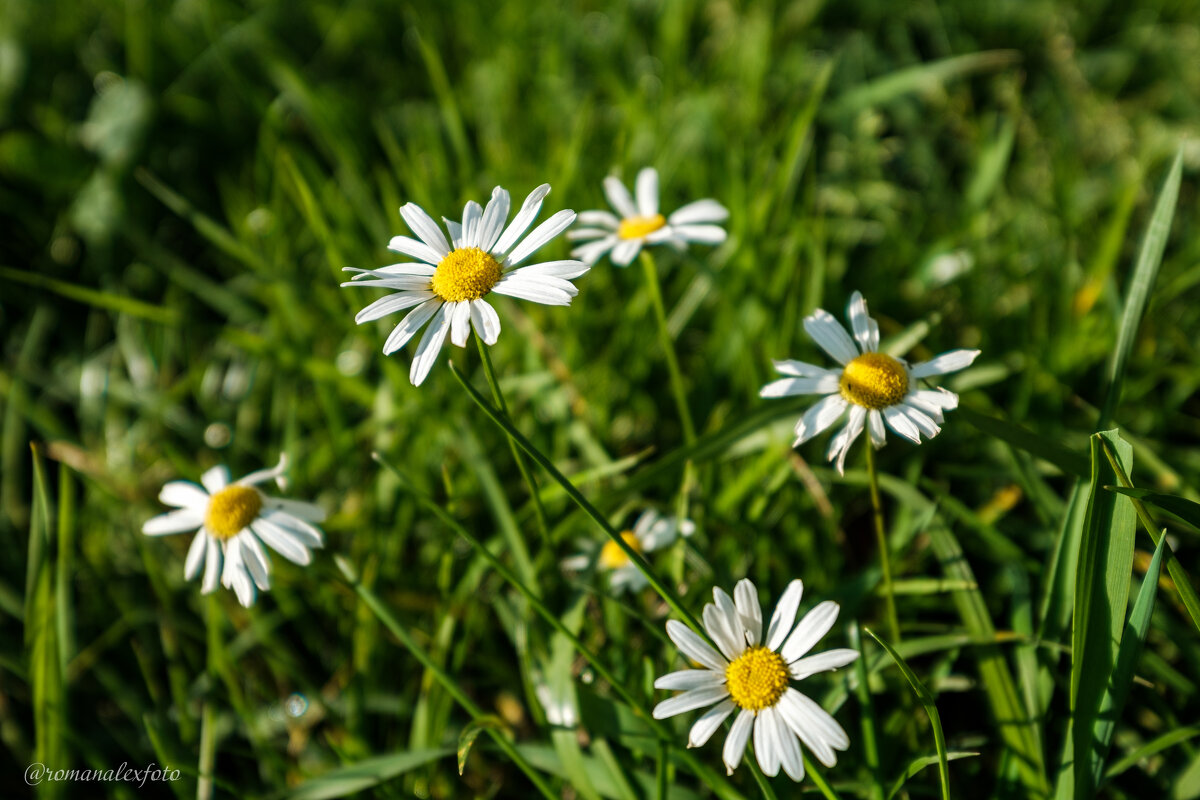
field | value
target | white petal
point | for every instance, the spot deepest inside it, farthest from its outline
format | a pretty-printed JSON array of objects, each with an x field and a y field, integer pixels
[
  {"x": 619, "y": 198},
  {"x": 802, "y": 369},
  {"x": 766, "y": 745},
  {"x": 625, "y": 251},
  {"x": 424, "y": 227},
  {"x": 587, "y": 234},
  {"x": 460, "y": 322},
  {"x": 391, "y": 304},
  {"x": 875, "y": 428},
  {"x": 898, "y": 421},
  {"x": 485, "y": 321},
  {"x": 195, "y": 556},
  {"x": 695, "y": 648},
  {"x": 707, "y": 725},
  {"x": 831, "y": 336},
  {"x": 430, "y": 346},
  {"x": 308, "y": 512},
  {"x": 255, "y": 560},
  {"x": 264, "y": 475},
  {"x": 735, "y": 743},
  {"x": 281, "y": 541},
  {"x": 866, "y": 331},
  {"x": 822, "y": 662},
  {"x": 593, "y": 252},
  {"x": 820, "y": 417},
  {"x": 522, "y": 221},
  {"x": 411, "y": 247},
  {"x": 494, "y": 217},
  {"x": 534, "y": 290},
  {"x": 215, "y": 479},
  {"x": 795, "y": 716},
  {"x": 605, "y": 219},
  {"x": 700, "y": 234},
  {"x": 412, "y": 322},
  {"x": 745, "y": 597},
  {"x": 923, "y": 421},
  {"x": 213, "y": 560},
  {"x": 183, "y": 494},
  {"x": 840, "y": 445},
  {"x": 785, "y": 387},
  {"x": 456, "y": 232},
  {"x": 689, "y": 701},
  {"x": 789, "y": 749},
  {"x": 299, "y": 528},
  {"x": 178, "y": 521},
  {"x": 540, "y": 235},
  {"x": 566, "y": 270},
  {"x": 403, "y": 269},
  {"x": 686, "y": 679},
  {"x": 236, "y": 575},
  {"x": 399, "y": 283},
  {"x": 472, "y": 216},
  {"x": 730, "y": 641},
  {"x": 647, "y": 192},
  {"x": 946, "y": 362},
  {"x": 700, "y": 211},
  {"x": 784, "y": 616},
  {"x": 812, "y": 629},
  {"x": 933, "y": 402}
]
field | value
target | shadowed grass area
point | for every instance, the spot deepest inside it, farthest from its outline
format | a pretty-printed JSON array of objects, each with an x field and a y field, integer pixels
[{"x": 181, "y": 185}]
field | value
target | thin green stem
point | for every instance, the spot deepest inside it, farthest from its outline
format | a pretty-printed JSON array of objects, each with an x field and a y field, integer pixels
[
  {"x": 530, "y": 481},
  {"x": 764, "y": 785},
  {"x": 863, "y": 691},
  {"x": 668, "y": 345},
  {"x": 448, "y": 683},
  {"x": 208, "y": 713},
  {"x": 664, "y": 591},
  {"x": 885, "y": 562},
  {"x": 718, "y": 784}
]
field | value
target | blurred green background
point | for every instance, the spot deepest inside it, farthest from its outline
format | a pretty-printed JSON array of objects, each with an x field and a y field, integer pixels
[{"x": 182, "y": 182}]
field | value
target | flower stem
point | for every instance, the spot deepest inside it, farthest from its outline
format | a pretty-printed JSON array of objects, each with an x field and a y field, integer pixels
[
  {"x": 448, "y": 683},
  {"x": 650, "y": 270},
  {"x": 208, "y": 713},
  {"x": 530, "y": 481},
  {"x": 885, "y": 563},
  {"x": 545, "y": 463}
]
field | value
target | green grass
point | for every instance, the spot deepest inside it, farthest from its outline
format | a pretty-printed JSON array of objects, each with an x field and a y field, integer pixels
[{"x": 181, "y": 185}]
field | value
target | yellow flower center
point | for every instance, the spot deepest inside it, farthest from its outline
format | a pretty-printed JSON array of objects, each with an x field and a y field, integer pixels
[
  {"x": 231, "y": 510},
  {"x": 613, "y": 557},
  {"x": 637, "y": 227},
  {"x": 874, "y": 380},
  {"x": 756, "y": 679},
  {"x": 467, "y": 273}
]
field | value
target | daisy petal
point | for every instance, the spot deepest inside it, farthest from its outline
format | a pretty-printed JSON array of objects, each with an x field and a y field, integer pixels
[
  {"x": 802, "y": 369},
  {"x": 745, "y": 597},
  {"x": 735, "y": 743},
  {"x": 456, "y": 232},
  {"x": 605, "y": 219},
  {"x": 460, "y": 322},
  {"x": 866, "y": 331},
  {"x": 534, "y": 290},
  {"x": 213, "y": 559},
  {"x": 255, "y": 560},
  {"x": 952, "y": 361},
  {"x": 522, "y": 221},
  {"x": 784, "y": 617},
  {"x": 708, "y": 724},
  {"x": 789, "y": 750},
  {"x": 472, "y": 216},
  {"x": 828, "y": 661},
  {"x": 282, "y": 542},
  {"x": 840, "y": 445},
  {"x": 178, "y": 521},
  {"x": 411, "y": 247},
  {"x": 831, "y": 336},
  {"x": 686, "y": 679},
  {"x": 390, "y": 305},
  {"x": 308, "y": 512},
  {"x": 730, "y": 641},
  {"x": 699, "y": 211},
  {"x": 647, "y": 192},
  {"x": 430, "y": 346},
  {"x": 183, "y": 494},
  {"x": 875, "y": 428},
  {"x": 766, "y": 746},
  {"x": 592, "y": 252},
  {"x": 695, "y": 648},
  {"x": 785, "y": 387},
  {"x": 700, "y": 234},
  {"x": 812, "y": 628},
  {"x": 494, "y": 217},
  {"x": 301, "y": 530},
  {"x": 195, "y": 556},
  {"x": 795, "y": 715},
  {"x": 820, "y": 417},
  {"x": 426, "y": 229},
  {"x": 264, "y": 475},
  {"x": 923, "y": 421},
  {"x": 485, "y": 320},
  {"x": 540, "y": 235},
  {"x": 625, "y": 251},
  {"x": 215, "y": 479},
  {"x": 689, "y": 701},
  {"x": 411, "y": 323},
  {"x": 619, "y": 198},
  {"x": 898, "y": 421},
  {"x": 566, "y": 270}
]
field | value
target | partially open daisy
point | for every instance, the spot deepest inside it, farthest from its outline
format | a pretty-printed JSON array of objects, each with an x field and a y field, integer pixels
[
  {"x": 450, "y": 278},
  {"x": 876, "y": 387},
  {"x": 652, "y": 531},
  {"x": 754, "y": 678},
  {"x": 233, "y": 521},
  {"x": 641, "y": 223}
]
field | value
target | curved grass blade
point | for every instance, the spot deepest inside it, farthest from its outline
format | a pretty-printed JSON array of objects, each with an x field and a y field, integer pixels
[
  {"x": 362, "y": 775},
  {"x": 1021, "y": 438},
  {"x": 930, "y": 704},
  {"x": 1178, "y": 507},
  {"x": 471, "y": 733},
  {"x": 921, "y": 763}
]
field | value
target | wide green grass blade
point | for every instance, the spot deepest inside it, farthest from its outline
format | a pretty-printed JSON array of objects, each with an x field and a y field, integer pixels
[
  {"x": 362, "y": 775},
  {"x": 1145, "y": 271},
  {"x": 1156, "y": 745},
  {"x": 919, "y": 78},
  {"x": 1101, "y": 596},
  {"x": 1178, "y": 507},
  {"x": 1122, "y": 677},
  {"x": 930, "y": 704}
]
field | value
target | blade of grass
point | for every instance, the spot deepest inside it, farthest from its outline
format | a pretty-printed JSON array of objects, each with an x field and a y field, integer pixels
[
  {"x": 930, "y": 704},
  {"x": 361, "y": 775},
  {"x": 919, "y": 78},
  {"x": 41, "y": 635},
  {"x": 1021, "y": 438},
  {"x": 94, "y": 297},
  {"x": 918, "y": 764}
]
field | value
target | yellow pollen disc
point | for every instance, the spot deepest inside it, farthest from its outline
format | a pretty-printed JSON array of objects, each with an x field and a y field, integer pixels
[
  {"x": 231, "y": 510},
  {"x": 613, "y": 557},
  {"x": 637, "y": 227},
  {"x": 874, "y": 380},
  {"x": 756, "y": 679},
  {"x": 467, "y": 273}
]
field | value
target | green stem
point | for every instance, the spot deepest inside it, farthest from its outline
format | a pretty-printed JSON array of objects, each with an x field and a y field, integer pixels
[
  {"x": 208, "y": 714},
  {"x": 668, "y": 346},
  {"x": 448, "y": 683},
  {"x": 664, "y": 591},
  {"x": 885, "y": 561},
  {"x": 530, "y": 481},
  {"x": 863, "y": 691},
  {"x": 764, "y": 785},
  {"x": 664, "y": 733}
]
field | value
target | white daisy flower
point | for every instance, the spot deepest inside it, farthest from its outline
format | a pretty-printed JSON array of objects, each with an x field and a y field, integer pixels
[
  {"x": 450, "y": 277},
  {"x": 876, "y": 387},
  {"x": 652, "y": 531},
  {"x": 755, "y": 678},
  {"x": 233, "y": 521},
  {"x": 641, "y": 223}
]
